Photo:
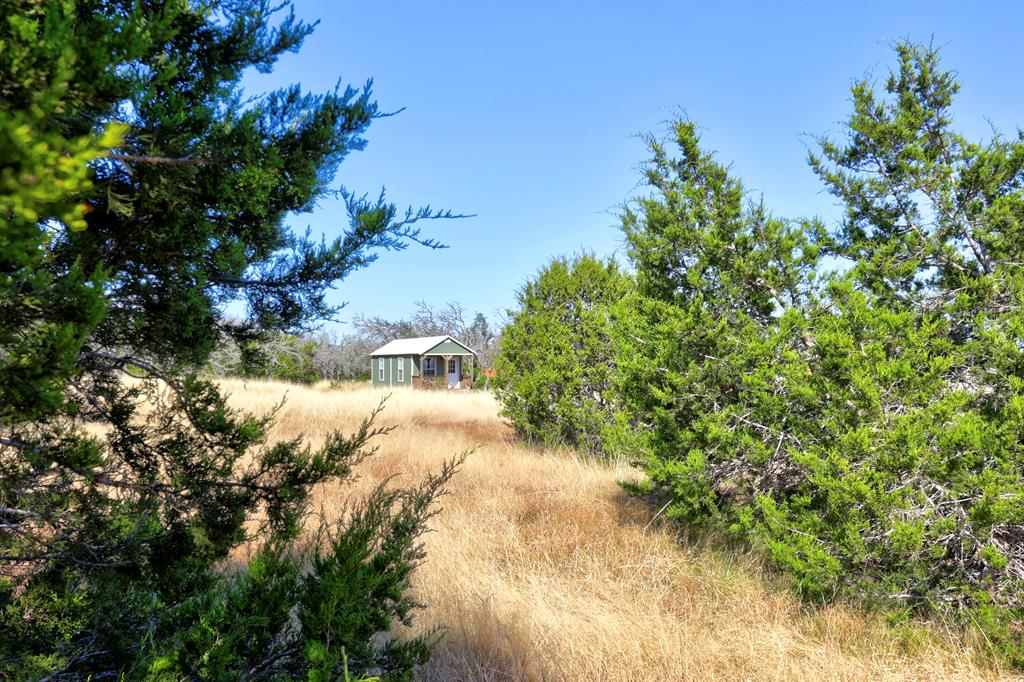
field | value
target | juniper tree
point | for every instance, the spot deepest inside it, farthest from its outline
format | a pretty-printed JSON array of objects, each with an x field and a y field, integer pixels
[
  {"x": 142, "y": 192},
  {"x": 863, "y": 427},
  {"x": 555, "y": 368},
  {"x": 716, "y": 276}
]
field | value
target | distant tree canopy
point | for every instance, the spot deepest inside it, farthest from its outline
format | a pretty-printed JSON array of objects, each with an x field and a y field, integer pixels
[
  {"x": 140, "y": 193},
  {"x": 556, "y": 371},
  {"x": 850, "y": 399}
]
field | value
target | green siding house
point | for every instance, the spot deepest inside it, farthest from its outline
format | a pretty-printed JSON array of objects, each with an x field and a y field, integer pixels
[{"x": 423, "y": 362}]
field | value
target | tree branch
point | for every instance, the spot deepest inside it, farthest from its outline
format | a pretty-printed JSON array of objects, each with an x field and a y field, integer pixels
[{"x": 157, "y": 160}]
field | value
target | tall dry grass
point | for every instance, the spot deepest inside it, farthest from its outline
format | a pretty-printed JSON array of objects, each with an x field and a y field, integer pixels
[{"x": 540, "y": 567}]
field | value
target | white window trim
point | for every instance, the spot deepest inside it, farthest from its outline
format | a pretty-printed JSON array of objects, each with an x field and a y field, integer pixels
[
  {"x": 401, "y": 370},
  {"x": 453, "y": 366},
  {"x": 429, "y": 365},
  {"x": 380, "y": 370}
]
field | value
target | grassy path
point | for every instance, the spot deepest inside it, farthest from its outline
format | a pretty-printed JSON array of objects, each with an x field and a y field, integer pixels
[{"x": 539, "y": 567}]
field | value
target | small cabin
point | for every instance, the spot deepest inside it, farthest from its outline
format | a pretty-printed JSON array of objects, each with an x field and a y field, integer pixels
[{"x": 423, "y": 362}]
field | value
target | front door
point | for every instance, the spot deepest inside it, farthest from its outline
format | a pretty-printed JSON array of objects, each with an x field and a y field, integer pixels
[{"x": 453, "y": 372}]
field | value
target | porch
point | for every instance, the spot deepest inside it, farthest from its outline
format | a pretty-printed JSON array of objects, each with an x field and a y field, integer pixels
[{"x": 443, "y": 372}]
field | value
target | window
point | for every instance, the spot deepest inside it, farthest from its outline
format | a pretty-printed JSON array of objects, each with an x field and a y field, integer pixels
[
  {"x": 380, "y": 369},
  {"x": 451, "y": 365},
  {"x": 429, "y": 367},
  {"x": 401, "y": 370}
]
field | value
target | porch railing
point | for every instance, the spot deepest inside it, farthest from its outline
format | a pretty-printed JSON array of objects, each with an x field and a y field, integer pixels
[{"x": 439, "y": 382}]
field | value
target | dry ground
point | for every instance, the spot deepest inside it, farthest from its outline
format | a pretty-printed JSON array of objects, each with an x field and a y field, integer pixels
[{"x": 541, "y": 568}]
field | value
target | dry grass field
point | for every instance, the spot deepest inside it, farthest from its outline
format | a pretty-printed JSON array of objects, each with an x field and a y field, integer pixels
[{"x": 540, "y": 567}]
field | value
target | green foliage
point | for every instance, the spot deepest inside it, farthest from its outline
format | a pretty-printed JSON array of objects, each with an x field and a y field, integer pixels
[
  {"x": 555, "y": 369},
  {"x": 285, "y": 357},
  {"x": 863, "y": 426},
  {"x": 140, "y": 195}
]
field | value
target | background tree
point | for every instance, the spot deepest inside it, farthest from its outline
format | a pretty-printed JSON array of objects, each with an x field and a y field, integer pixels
[
  {"x": 485, "y": 341},
  {"x": 140, "y": 195},
  {"x": 284, "y": 357},
  {"x": 862, "y": 427},
  {"x": 427, "y": 320},
  {"x": 555, "y": 368},
  {"x": 343, "y": 358}
]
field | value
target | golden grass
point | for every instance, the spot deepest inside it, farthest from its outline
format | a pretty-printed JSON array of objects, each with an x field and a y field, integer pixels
[{"x": 540, "y": 567}]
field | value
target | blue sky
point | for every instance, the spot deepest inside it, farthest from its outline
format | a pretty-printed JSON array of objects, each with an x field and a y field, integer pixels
[{"x": 526, "y": 114}]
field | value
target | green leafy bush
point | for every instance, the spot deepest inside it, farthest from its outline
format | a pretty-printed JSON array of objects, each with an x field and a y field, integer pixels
[
  {"x": 864, "y": 425},
  {"x": 555, "y": 369}
]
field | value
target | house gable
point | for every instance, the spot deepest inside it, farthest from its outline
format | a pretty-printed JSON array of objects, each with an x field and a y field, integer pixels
[
  {"x": 423, "y": 345},
  {"x": 449, "y": 347}
]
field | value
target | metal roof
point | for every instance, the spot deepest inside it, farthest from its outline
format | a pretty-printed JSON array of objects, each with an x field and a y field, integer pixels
[{"x": 418, "y": 346}]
